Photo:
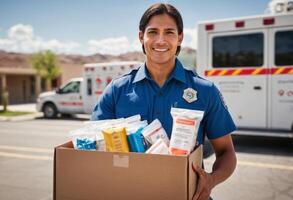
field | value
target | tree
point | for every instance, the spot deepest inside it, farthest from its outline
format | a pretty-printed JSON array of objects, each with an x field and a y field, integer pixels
[{"x": 45, "y": 63}]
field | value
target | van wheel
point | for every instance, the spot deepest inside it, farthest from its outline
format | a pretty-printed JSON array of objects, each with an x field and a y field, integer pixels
[{"x": 50, "y": 111}]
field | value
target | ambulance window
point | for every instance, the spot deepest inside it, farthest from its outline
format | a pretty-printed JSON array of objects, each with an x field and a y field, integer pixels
[
  {"x": 89, "y": 87},
  {"x": 284, "y": 48},
  {"x": 238, "y": 50},
  {"x": 72, "y": 87}
]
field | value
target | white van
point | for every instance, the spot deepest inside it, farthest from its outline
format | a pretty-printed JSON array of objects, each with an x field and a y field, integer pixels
[
  {"x": 80, "y": 95},
  {"x": 250, "y": 59}
]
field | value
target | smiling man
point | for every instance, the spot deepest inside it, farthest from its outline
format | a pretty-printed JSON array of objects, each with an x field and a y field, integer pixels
[{"x": 161, "y": 83}]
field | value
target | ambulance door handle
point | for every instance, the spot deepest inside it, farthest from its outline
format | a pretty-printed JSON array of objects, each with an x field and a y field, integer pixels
[{"x": 257, "y": 88}]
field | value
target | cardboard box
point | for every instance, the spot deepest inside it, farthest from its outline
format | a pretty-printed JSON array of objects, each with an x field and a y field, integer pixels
[{"x": 92, "y": 175}]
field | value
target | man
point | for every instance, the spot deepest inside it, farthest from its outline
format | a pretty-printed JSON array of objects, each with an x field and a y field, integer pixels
[{"x": 162, "y": 83}]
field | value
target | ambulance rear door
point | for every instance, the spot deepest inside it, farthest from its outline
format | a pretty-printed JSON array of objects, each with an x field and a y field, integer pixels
[
  {"x": 281, "y": 77},
  {"x": 88, "y": 89},
  {"x": 237, "y": 62}
]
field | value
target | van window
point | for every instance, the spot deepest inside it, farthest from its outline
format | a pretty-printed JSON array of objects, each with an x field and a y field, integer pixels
[
  {"x": 238, "y": 50},
  {"x": 72, "y": 87},
  {"x": 89, "y": 87},
  {"x": 284, "y": 48}
]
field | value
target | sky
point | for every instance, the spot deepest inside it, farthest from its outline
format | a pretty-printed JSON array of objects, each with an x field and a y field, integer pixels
[{"x": 101, "y": 26}]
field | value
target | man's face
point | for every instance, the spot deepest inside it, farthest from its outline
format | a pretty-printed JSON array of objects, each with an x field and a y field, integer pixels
[{"x": 160, "y": 39}]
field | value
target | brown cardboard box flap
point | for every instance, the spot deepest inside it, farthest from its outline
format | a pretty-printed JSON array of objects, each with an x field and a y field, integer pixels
[{"x": 196, "y": 158}]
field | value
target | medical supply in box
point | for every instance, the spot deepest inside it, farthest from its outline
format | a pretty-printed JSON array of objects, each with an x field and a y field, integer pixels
[
  {"x": 115, "y": 139},
  {"x": 184, "y": 132},
  {"x": 154, "y": 131},
  {"x": 136, "y": 141},
  {"x": 159, "y": 147},
  {"x": 83, "y": 138}
]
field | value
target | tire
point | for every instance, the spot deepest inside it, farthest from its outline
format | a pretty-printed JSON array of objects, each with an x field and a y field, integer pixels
[{"x": 50, "y": 111}]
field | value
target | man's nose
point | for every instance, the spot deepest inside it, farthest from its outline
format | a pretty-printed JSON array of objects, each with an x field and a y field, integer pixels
[{"x": 161, "y": 38}]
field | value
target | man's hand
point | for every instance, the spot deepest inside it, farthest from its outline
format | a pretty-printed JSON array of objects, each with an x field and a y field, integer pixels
[
  {"x": 205, "y": 184},
  {"x": 223, "y": 167}
]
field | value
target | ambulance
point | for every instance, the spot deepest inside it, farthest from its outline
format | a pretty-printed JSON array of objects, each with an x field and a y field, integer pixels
[
  {"x": 250, "y": 59},
  {"x": 80, "y": 95}
]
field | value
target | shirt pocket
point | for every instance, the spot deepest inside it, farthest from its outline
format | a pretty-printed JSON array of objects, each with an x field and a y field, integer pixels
[{"x": 182, "y": 103}]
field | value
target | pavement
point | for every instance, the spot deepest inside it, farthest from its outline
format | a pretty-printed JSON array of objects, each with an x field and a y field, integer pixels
[{"x": 30, "y": 107}]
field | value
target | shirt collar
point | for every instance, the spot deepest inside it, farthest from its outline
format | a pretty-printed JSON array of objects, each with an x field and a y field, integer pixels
[
  {"x": 178, "y": 73},
  {"x": 141, "y": 74}
]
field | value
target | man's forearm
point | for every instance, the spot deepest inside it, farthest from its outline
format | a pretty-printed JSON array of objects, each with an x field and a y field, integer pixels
[{"x": 223, "y": 167}]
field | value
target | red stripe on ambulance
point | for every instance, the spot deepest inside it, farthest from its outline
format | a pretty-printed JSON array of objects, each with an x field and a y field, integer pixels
[
  {"x": 65, "y": 103},
  {"x": 249, "y": 71}
]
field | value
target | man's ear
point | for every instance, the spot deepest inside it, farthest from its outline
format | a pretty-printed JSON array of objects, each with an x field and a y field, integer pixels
[
  {"x": 140, "y": 35},
  {"x": 180, "y": 39}
]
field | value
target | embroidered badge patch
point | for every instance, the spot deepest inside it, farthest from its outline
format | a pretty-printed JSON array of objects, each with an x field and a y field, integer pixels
[{"x": 190, "y": 95}]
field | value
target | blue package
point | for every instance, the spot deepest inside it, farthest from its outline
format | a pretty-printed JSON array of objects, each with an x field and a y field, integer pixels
[
  {"x": 136, "y": 141},
  {"x": 86, "y": 144}
]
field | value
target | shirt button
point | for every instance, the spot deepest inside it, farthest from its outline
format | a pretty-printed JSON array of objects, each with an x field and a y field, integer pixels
[
  {"x": 157, "y": 112},
  {"x": 160, "y": 94}
]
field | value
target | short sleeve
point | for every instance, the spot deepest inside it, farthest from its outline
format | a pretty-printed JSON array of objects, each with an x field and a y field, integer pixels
[
  {"x": 105, "y": 108},
  {"x": 217, "y": 120}
]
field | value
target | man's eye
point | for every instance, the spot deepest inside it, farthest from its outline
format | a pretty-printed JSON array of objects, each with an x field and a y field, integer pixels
[{"x": 170, "y": 32}]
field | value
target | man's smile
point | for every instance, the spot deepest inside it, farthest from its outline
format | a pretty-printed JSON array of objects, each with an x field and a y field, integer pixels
[{"x": 161, "y": 49}]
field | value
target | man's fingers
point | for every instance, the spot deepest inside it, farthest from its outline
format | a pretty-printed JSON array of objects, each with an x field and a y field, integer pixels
[
  {"x": 198, "y": 170},
  {"x": 199, "y": 185},
  {"x": 202, "y": 196}
]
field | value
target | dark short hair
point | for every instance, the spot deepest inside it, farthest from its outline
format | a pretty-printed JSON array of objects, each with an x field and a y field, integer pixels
[{"x": 159, "y": 9}]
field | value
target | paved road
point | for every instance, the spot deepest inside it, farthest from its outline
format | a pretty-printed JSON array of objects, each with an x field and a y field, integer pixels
[
  {"x": 26, "y": 157},
  {"x": 265, "y": 165},
  {"x": 264, "y": 170}
]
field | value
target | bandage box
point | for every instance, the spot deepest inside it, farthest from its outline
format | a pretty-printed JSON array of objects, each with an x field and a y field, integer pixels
[{"x": 89, "y": 175}]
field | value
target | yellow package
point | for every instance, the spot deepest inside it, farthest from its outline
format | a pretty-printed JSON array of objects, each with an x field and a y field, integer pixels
[{"x": 116, "y": 139}]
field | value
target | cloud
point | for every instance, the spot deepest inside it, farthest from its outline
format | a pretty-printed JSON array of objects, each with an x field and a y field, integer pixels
[
  {"x": 114, "y": 46},
  {"x": 21, "y": 32},
  {"x": 190, "y": 38},
  {"x": 21, "y": 38}
]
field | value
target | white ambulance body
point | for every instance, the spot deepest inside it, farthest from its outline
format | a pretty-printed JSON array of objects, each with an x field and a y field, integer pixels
[
  {"x": 97, "y": 76},
  {"x": 80, "y": 95},
  {"x": 250, "y": 59}
]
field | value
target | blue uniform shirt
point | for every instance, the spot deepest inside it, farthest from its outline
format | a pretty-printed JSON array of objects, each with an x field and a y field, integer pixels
[{"x": 137, "y": 93}]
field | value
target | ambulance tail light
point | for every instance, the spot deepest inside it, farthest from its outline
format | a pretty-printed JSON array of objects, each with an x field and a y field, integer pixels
[
  {"x": 239, "y": 24},
  {"x": 209, "y": 27},
  {"x": 269, "y": 21},
  {"x": 109, "y": 79}
]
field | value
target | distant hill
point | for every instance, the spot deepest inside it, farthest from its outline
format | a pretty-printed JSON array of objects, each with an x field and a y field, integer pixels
[
  {"x": 20, "y": 60},
  {"x": 16, "y": 60}
]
